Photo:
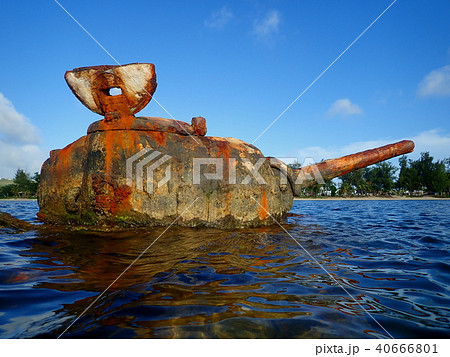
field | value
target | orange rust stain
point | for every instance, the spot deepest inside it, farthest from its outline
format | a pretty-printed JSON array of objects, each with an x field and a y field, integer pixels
[
  {"x": 64, "y": 153},
  {"x": 64, "y": 165},
  {"x": 62, "y": 162},
  {"x": 264, "y": 208},
  {"x": 109, "y": 150},
  {"x": 127, "y": 121},
  {"x": 113, "y": 141},
  {"x": 103, "y": 78},
  {"x": 110, "y": 198},
  {"x": 122, "y": 198},
  {"x": 340, "y": 166},
  {"x": 159, "y": 137},
  {"x": 223, "y": 149}
]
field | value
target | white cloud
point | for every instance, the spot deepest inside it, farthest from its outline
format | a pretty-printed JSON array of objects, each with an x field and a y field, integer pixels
[
  {"x": 18, "y": 141},
  {"x": 437, "y": 143},
  {"x": 344, "y": 107},
  {"x": 219, "y": 19},
  {"x": 436, "y": 83},
  {"x": 318, "y": 153},
  {"x": 27, "y": 157},
  {"x": 16, "y": 127},
  {"x": 433, "y": 141},
  {"x": 265, "y": 27}
]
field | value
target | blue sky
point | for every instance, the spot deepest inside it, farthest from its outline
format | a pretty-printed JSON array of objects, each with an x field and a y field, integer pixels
[{"x": 239, "y": 64}]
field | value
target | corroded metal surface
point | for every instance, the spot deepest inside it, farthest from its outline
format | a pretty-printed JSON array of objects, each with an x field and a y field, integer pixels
[
  {"x": 89, "y": 182},
  {"x": 93, "y": 87},
  {"x": 197, "y": 126},
  {"x": 86, "y": 183},
  {"x": 337, "y": 167}
]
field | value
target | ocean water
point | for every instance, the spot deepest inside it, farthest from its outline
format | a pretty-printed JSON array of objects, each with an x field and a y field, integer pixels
[{"x": 342, "y": 269}]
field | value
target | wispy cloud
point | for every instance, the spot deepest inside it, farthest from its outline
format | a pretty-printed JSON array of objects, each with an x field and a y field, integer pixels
[
  {"x": 27, "y": 157},
  {"x": 344, "y": 107},
  {"x": 318, "y": 153},
  {"x": 219, "y": 19},
  {"x": 436, "y": 83},
  {"x": 18, "y": 141},
  {"x": 16, "y": 127},
  {"x": 436, "y": 142},
  {"x": 264, "y": 28}
]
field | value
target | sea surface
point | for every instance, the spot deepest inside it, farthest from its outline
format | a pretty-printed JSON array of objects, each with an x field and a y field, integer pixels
[{"x": 341, "y": 269}]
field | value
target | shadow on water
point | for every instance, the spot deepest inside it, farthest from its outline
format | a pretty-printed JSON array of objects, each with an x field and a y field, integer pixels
[{"x": 226, "y": 284}]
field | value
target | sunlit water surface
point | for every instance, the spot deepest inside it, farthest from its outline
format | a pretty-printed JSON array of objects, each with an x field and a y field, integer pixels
[{"x": 391, "y": 256}]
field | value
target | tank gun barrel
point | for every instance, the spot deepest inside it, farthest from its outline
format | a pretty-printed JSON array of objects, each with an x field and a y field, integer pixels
[{"x": 328, "y": 169}]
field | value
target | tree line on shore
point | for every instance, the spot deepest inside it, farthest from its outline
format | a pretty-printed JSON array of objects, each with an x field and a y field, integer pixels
[
  {"x": 24, "y": 185},
  {"x": 415, "y": 177}
]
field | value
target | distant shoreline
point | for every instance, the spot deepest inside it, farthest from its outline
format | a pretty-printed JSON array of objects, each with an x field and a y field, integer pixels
[
  {"x": 371, "y": 198},
  {"x": 18, "y": 199}
]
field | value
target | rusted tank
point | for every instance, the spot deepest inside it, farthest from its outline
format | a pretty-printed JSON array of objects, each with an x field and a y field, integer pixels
[{"x": 144, "y": 171}]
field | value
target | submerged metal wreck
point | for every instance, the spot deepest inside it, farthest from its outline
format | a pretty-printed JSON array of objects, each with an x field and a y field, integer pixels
[{"x": 143, "y": 171}]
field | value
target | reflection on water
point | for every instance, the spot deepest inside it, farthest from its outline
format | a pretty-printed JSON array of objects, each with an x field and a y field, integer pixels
[{"x": 392, "y": 256}]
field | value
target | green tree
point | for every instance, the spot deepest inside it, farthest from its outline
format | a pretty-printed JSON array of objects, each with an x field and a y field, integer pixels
[
  {"x": 447, "y": 169},
  {"x": 330, "y": 186},
  {"x": 356, "y": 181},
  {"x": 35, "y": 182},
  {"x": 8, "y": 190},
  {"x": 423, "y": 168},
  {"x": 440, "y": 180},
  {"x": 409, "y": 177},
  {"x": 345, "y": 189},
  {"x": 424, "y": 174},
  {"x": 25, "y": 185},
  {"x": 405, "y": 177},
  {"x": 381, "y": 177},
  {"x": 312, "y": 190}
]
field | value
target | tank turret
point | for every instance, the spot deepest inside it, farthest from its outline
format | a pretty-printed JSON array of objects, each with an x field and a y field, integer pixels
[{"x": 146, "y": 171}]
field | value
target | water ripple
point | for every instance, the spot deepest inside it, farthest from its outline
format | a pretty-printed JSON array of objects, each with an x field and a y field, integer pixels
[{"x": 392, "y": 257}]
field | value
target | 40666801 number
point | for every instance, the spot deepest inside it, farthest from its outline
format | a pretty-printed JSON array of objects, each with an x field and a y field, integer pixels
[{"x": 406, "y": 348}]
